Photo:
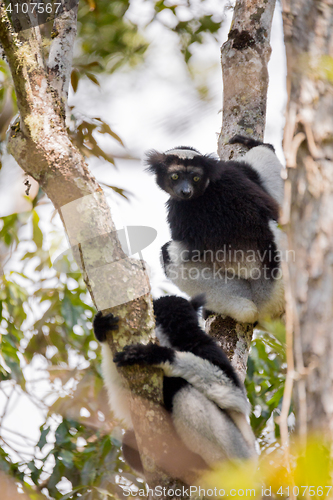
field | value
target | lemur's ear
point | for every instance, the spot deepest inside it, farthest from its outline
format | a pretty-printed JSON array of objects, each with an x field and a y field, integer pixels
[
  {"x": 198, "y": 301},
  {"x": 155, "y": 161}
]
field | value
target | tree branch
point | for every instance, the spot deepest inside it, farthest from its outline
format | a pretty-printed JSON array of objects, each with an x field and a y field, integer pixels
[{"x": 245, "y": 58}]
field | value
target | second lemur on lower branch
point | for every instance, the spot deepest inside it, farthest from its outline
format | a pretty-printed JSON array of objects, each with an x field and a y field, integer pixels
[
  {"x": 201, "y": 391},
  {"x": 223, "y": 217}
]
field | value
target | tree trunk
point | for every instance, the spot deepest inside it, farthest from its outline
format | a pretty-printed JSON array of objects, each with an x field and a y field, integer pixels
[
  {"x": 308, "y": 213},
  {"x": 245, "y": 57},
  {"x": 40, "y": 144}
]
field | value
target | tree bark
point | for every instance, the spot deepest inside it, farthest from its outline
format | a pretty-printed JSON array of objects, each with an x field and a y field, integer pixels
[
  {"x": 245, "y": 57},
  {"x": 308, "y": 214},
  {"x": 40, "y": 144}
]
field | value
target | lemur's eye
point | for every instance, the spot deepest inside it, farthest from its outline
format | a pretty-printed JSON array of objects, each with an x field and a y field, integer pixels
[
  {"x": 174, "y": 177},
  {"x": 196, "y": 178}
]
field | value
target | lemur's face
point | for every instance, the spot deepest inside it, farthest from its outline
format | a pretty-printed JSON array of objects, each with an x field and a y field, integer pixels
[{"x": 184, "y": 182}]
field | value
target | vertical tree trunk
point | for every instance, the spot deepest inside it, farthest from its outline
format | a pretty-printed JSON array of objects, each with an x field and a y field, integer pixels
[
  {"x": 308, "y": 214},
  {"x": 245, "y": 57}
]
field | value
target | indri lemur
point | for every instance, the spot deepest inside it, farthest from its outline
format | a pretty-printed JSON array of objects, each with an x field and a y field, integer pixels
[
  {"x": 223, "y": 217},
  {"x": 201, "y": 390}
]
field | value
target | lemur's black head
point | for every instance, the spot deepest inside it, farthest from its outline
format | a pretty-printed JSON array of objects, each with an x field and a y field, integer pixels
[
  {"x": 177, "y": 319},
  {"x": 183, "y": 172}
]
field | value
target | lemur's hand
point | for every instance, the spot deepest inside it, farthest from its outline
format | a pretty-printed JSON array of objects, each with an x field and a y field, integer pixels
[
  {"x": 103, "y": 324},
  {"x": 141, "y": 354}
]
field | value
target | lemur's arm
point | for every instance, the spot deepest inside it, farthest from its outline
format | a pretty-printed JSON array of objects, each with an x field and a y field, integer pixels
[{"x": 249, "y": 142}]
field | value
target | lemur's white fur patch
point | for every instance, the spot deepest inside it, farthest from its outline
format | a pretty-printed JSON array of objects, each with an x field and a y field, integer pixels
[
  {"x": 183, "y": 153},
  {"x": 209, "y": 379},
  {"x": 118, "y": 394},
  {"x": 268, "y": 166},
  {"x": 215, "y": 438}
]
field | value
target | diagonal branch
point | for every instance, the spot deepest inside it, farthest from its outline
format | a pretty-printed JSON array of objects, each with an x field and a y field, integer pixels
[{"x": 40, "y": 144}]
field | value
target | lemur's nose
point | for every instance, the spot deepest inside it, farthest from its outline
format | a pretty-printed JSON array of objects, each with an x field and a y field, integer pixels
[{"x": 186, "y": 192}]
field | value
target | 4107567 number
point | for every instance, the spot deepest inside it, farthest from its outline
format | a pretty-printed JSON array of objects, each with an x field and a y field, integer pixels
[{"x": 34, "y": 7}]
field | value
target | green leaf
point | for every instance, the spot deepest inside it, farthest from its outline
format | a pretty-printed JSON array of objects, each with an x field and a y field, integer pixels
[
  {"x": 69, "y": 312},
  {"x": 88, "y": 473},
  {"x": 92, "y": 78},
  {"x": 35, "y": 473},
  {"x": 61, "y": 434},
  {"x": 75, "y": 77},
  {"x": 54, "y": 479},
  {"x": 37, "y": 234},
  {"x": 42, "y": 440},
  {"x": 67, "y": 458}
]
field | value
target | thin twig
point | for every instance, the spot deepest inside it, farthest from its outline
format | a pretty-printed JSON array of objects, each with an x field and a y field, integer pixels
[
  {"x": 86, "y": 274},
  {"x": 7, "y": 404},
  {"x": 19, "y": 434},
  {"x": 287, "y": 395}
]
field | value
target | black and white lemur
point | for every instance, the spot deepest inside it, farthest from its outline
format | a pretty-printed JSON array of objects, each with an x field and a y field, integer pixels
[
  {"x": 223, "y": 219},
  {"x": 201, "y": 390}
]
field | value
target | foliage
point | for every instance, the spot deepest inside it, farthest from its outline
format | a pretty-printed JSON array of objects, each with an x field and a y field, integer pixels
[
  {"x": 108, "y": 36},
  {"x": 265, "y": 381},
  {"x": 109, "y": 40},
  {"x": 192, "y": 30},
  {"x": 308, "y": 474},
  {"x": 45, "y": 324}
]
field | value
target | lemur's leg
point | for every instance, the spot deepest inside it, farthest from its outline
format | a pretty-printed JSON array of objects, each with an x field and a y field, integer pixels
[
  {"x": 249, "y": 142},
  {"x": 224, "y": 293},
  {"x": 206, "y": 377}
]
